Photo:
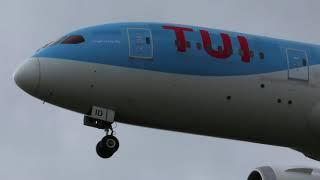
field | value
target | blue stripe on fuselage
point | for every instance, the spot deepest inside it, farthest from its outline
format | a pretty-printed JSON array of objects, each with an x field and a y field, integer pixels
[{"x": 108, "y": 44}]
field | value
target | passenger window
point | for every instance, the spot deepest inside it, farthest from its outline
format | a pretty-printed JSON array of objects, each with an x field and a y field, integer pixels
[
  {"x": 188, "y": 44},
  {"x": 230, "y": 50},
  {"x": 148, "y": 40},
  {"x": 304, "y": 62},
  {"x": 199, "y": 46},
  {"x": 261, "y": 55},
  {"x": 73, "y": 40},
  {"x": 251, "y": 54}
]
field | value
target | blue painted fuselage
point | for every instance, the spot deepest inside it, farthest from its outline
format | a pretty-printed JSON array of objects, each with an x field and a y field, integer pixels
[{"x": 108, "y": 44}]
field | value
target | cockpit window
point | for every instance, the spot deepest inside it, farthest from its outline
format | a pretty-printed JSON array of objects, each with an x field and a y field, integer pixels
[
  {"x": 48, "y": 44},
  {"x": 76, "y": 39},
  {"x": 58, "y": 41}
]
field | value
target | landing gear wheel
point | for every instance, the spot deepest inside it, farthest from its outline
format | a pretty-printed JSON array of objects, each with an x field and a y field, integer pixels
[
  {"x": 102, "y": 152},
  {"x": 107, "y": 146},
  {"x": 111, "y": 143}
]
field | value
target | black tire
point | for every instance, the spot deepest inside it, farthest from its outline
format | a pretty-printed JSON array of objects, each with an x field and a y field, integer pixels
[
  {"x": 103, "y": 152},
  {"x": 110, "y": 143}
]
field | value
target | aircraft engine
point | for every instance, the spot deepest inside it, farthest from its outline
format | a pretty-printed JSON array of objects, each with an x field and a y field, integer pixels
[{"x": 297, "y": 173}]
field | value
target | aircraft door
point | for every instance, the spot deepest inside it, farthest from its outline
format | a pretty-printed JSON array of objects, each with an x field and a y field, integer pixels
[
  {"x": 140, "y": 43},
  {"x": 298, "y": 64}
]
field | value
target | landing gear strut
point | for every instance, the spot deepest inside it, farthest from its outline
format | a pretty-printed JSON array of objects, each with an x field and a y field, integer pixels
[{"x": 103, "y": 119}]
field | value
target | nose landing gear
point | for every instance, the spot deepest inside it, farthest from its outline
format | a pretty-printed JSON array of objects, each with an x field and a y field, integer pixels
[
  {"x": 107, "y": 146},
  {"x": 102, "y": 119}
]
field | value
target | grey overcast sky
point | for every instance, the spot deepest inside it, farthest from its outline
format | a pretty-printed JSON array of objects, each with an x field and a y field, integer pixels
[{"x": 39, "y": 141}]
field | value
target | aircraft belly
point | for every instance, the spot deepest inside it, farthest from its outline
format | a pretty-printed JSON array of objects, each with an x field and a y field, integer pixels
[{"x": 236, "y": 107}]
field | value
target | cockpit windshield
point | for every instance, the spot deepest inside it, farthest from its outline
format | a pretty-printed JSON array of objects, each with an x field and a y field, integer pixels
[
  {"x": 74, "y": 39},
  {"x": 77, "y": 39}
]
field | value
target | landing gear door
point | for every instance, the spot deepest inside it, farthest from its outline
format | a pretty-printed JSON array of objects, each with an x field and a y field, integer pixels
[
  {"x": 298, "y": 64},
  {"x": 140, "y": 43}
]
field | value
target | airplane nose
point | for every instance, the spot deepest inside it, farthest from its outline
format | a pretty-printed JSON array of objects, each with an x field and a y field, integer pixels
[{"x": 27, "y": 76}]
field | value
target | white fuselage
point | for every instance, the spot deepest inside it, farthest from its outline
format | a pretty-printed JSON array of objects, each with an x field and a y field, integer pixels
[{"x": 265, "y": 108}]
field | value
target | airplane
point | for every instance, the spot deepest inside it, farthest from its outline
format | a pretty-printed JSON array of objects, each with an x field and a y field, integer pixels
[{"x": 188, "y": 79}]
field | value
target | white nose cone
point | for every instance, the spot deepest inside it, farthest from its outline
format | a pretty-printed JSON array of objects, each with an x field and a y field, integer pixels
[{"x": 27, "y": 76}]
